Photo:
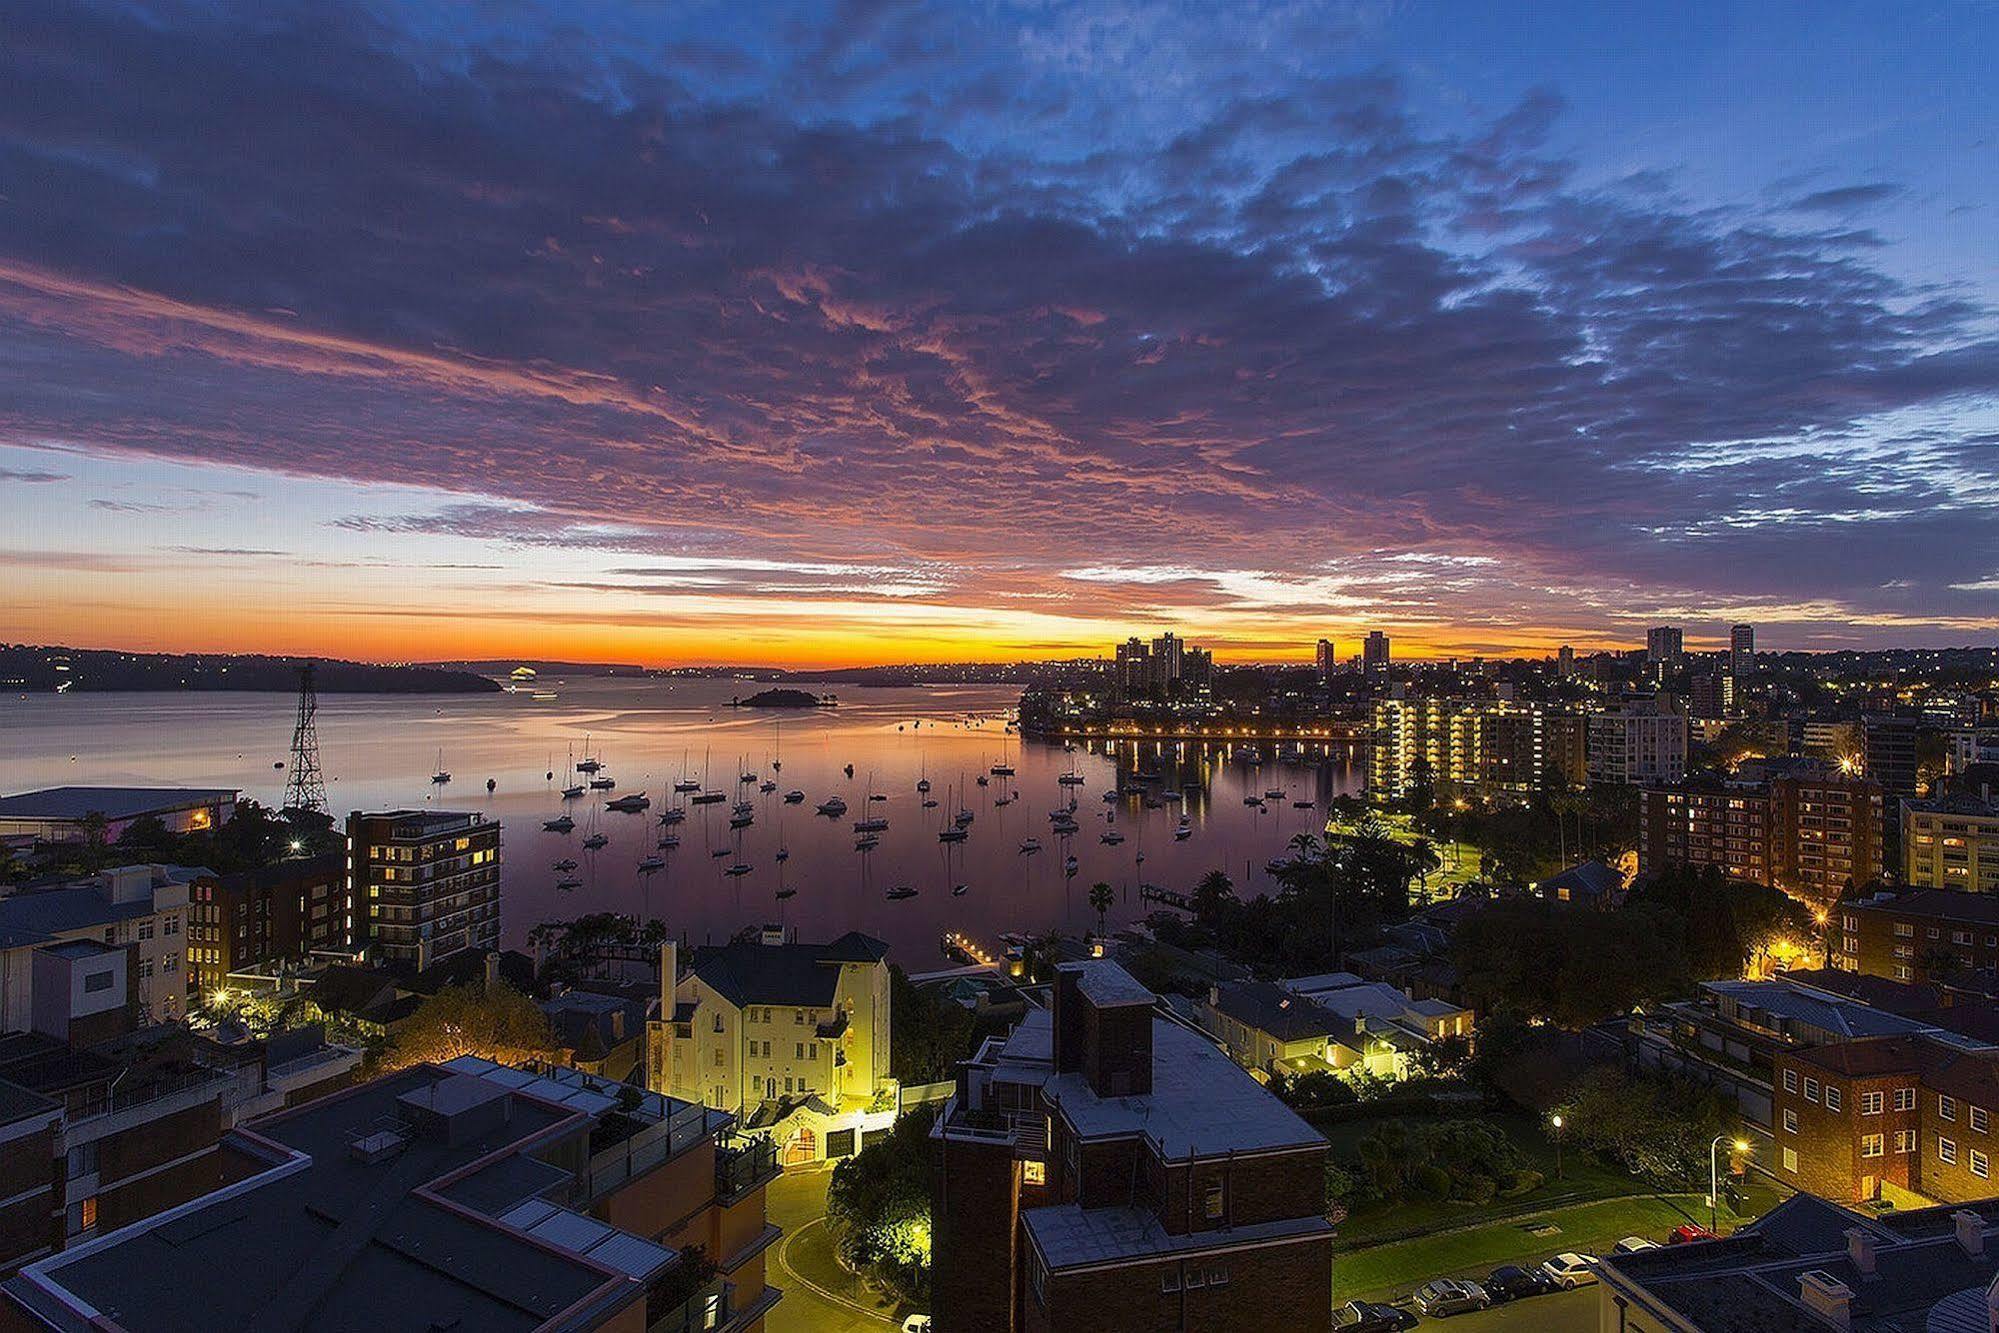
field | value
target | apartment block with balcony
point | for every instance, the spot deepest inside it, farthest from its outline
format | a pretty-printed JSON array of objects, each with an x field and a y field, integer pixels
[
  {"x": 1923, "y": 935},
  {"x": 1473, "y": 749},
  {"x": 464, "y": 1196},
  {"x": 1104, "y": 1168},
  {"x": 1637, "y": 744},
  {"x": 1722, "y": 824},
  {"x": 425, "y": 884},
  {"x": 143, "y": 907},
  {"x": 1808, "y": 830},
  {"x": 1951, "y": 842}
]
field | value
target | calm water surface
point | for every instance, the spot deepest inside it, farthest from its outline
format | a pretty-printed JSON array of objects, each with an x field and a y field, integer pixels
[{"x": 379, "y": 751}]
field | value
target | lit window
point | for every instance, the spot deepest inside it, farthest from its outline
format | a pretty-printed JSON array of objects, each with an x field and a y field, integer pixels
[{"x": 1034, "y": 1173}]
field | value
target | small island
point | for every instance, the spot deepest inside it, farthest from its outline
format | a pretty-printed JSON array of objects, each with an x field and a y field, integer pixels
[{"x": 786, "y": 699}]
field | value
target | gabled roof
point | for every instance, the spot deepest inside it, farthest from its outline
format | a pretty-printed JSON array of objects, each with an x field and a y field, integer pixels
[
  {"x": 1586, "y": 879},
  {"x": 1270, "y": 1008},
  {"x": 854, "y": 947}
]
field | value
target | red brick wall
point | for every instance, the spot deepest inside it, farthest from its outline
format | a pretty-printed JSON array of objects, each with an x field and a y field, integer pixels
[
  {"x": 1275, "y": 1287},
  {"x": 27, "y": 1163},
  {"x": 974, "y": 1234},
  {"x": 1828, "y": 1143}
]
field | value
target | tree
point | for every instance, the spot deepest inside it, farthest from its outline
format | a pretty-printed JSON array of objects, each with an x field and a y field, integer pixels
[
  {"x": 930, "y": 1033},
  {"x": 1101, "y": 899},
  {"x": 1213, "y": 896},
  {"x": 1659, "y": 1128},
  {"x": 1568, "y": 965},
  {"x": 879, "y": 1202},
  {"x": 498, "y": 1023}
]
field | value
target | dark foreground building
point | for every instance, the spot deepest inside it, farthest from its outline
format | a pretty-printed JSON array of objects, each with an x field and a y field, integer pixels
[{"x": 1104, "y": 1168}]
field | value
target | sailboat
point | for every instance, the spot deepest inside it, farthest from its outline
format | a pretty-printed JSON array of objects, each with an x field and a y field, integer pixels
[
  {"x": 685, "y": 784},
  {"x": 777, "y": 760},
  {"x": 560, "y": 824},
  {"x": 441, "y": 776},
  {"x": 588, "y": 764},
  {"x": 597, "y": 838}
]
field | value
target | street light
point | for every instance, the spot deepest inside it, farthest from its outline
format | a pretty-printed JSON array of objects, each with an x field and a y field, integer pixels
[
  {"x": 1714, "y": 1177},
  {"x": 1557, "y": 1121}
]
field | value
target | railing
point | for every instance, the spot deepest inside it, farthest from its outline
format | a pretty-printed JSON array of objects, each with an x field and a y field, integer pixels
[
  {"x": 1027, "y": 1129},
  {"x": 743, "y": 1165},
  {"x": 657, "y": 1143},
  {"x": 117, "y": 1110},
  {"x": 310, "y": 1060},
  {"x": 708, "y": 1308}
]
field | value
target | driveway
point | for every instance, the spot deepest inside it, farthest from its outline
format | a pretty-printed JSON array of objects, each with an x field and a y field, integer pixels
[{"x": 819, "y": 1296}]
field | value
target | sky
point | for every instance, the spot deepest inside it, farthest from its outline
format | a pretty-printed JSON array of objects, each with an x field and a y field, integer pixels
[{"x": 729, "y": 332}]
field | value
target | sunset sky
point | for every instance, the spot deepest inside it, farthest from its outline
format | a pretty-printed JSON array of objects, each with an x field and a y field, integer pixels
[{"x": 718, "y": 331}]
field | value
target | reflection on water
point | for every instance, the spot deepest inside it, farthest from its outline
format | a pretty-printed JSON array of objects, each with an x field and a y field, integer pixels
[{"x": 379, "y": 751}]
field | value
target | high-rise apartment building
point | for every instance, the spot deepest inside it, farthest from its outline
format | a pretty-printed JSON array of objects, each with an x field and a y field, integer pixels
[
  {"x": 1663, "y": 645},
  {"x": 1328, "y": 657},
  {"x": 1565, "y": 661},
  {"x": 1811, "y": 833},
  {"x": 425, "y": 884},
  {"x": 267, "y": 918},
  {"x": 1637, "y": 743},
  {"x": 1741, "y": 649},
  {"x": 1374, "y": 654},
  {"x": 1890, "y": 739},
  {"x": 1951, "y": 842},
  {"x": 1103, "y": 1167},
  {"x": 1484, "y": 749},
  {"x": 1712, "y": 695}
]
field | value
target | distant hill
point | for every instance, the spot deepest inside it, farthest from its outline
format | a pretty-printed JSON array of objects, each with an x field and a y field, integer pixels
[
  {"x": 38, "y": 669},
  {"x": 784, "y": 699}
]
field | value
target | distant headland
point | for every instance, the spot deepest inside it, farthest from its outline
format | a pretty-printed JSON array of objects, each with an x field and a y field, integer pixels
[{"x": 41, "y": 670}]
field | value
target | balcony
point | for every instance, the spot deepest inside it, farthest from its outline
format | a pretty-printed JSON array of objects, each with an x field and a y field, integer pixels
[
  {"x": 743, "y": 1165},
  {"x": 626, "y": 1146}
]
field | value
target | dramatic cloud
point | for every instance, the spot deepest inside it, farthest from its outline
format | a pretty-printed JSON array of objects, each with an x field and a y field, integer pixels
[{"x": 829, "y": 316}]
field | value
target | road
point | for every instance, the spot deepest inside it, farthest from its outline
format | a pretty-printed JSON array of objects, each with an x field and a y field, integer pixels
[
  {"x": 1564, "y": 1312},
  {"x": 819, "y": 1297}
]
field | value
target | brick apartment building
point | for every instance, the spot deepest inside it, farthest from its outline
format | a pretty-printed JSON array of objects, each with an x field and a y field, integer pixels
[
  {"x": 1809, "y": 833},
  {"x": 430, "y": 883},
  {"x": 267, "y": 918},
  {"x": 468, "y": 1196},
  {"x": 1888, "y": 1117},
  {"x": 1104, "y": 1168},
  {"x": 1919, "y": 936}
]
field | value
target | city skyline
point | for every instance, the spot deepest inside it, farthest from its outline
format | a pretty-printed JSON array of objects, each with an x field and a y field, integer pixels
[{"x": 860, "y": 335}]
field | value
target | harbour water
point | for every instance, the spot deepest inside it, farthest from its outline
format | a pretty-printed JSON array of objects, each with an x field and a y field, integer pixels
[{"x": 379, "y": 751}]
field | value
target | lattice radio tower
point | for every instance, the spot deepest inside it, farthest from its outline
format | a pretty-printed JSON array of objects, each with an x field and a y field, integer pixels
[{"x": 305, "y": 789}]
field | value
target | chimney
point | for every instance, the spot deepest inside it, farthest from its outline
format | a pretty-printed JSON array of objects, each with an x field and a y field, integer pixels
[
  {"x": 492, "y": 970},
  {"x": 1970, "y": 1228},
  {"x": 1860, "y": 1251},
  {"x": 1826, "y": 1296},
  {"x": 669, "y": 976},
  {"x": 1214, "y": 996}
]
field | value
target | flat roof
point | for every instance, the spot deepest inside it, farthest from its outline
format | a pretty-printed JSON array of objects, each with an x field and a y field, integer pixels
[
  {"x": 111, "y": 802},
  {"x": 1201, "y": 1104},
  {"x": 1070, "y": 1236},
  {"x": 1107, "y": 985},
  {"x": 330, "y": 1241}
]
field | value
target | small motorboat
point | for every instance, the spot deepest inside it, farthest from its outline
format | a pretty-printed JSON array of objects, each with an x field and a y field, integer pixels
[
  {"x": 602, "y": 784},
  {"x": 571, "y": 793},
  {"x": 1112, "y": 795},
  {"x": 878, "y": 796},
  {"x": 686, "y": 785},
  {"x": 1111, "y": 838},
  {"x": 707, "y": 798},
  {"x": 1064, "y": 825},
  {"x": 673, "y": 814},
  {"x": 562, "y": 825},
  {"x": 595, "y": 840},
  {"x": 569, "y": 885},
  {"x": 1003, "y": 802},
  {"x": 960, "y": 890},
  {"x": 923, "y": 784},
  {"x": 952, "y": 835},
  {"x": 899, "y": 892},
  {"x": 721, "y": 852},
  {"x": 833, "y": 808},
  {"x": 1001, "y": 770},
  {"x": 1253, "y": 800},
  {"x": 867, "y": 842},
  {"x": 794, "y": 798},
  {"x": 629, "y": 804},
  {"x": 651, "y": 864},
  {"x": 1301, "y": 805},
  {"x": 850, "y": 770},
  {"x": 1274, "y": 794},
  {"x": 566, "y": 864},
  {"x": 669, "y": 841},
  {"x": 1029, "y": 846}
]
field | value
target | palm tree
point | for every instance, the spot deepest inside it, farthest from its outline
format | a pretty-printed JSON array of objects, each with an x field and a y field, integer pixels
[
  {"x": 1214, "y": 890},
  {"x": 1423, "y": 859},
  {"x": 1305, "y": 845},
  {"x": 1101, "y": 900}
]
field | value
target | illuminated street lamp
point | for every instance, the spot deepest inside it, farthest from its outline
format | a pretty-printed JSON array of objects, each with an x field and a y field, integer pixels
[
  {"x": 1557, "y": 1122},
  {"x": 1714, "y": 1177}
]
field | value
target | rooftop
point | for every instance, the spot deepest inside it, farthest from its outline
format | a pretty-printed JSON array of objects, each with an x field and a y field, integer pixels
[
  {"x": 40, "y": 915},
  {"x": 111, "y": 802},
  {"x": 1776, "y": 1004},
  {"x": 1201, "y": 1104},
  {"x": 414, "y": 1200},
  {"x": 803, "y": 976},
  {"x": 1270, "y": 1008},
  {"x": 1107, "y": 985},
  {"x": 1069, "y": 1236},
  {"x": 1940, "y": 904}
]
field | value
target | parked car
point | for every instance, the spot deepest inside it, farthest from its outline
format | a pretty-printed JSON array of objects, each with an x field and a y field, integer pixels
[
  {"x": 1570, "y": 1270},
  {"x": 1369, "y": 1317},
  {"x": 1635, "y": 1245},
  {"x": 1451, "y": 1295},
  {"x": 1510, "y": 1282},
  {"x": 1688, "y": 1232},
  {"x": 916, "y": 1323}
]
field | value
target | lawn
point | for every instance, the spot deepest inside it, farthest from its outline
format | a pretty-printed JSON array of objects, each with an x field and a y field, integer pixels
[
  {"x": 1386, "y": 1271},
  {"x": 1582, "y": 1179}
]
